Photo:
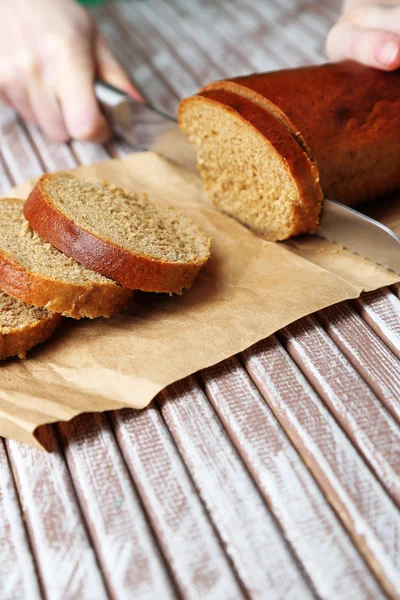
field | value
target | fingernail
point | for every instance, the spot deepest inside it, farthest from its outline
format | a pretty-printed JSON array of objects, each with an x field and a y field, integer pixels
[{"x": 387, "y": 53}]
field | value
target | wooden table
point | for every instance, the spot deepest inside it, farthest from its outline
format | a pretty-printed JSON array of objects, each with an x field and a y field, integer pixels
[{"x": 272, "y": 475}]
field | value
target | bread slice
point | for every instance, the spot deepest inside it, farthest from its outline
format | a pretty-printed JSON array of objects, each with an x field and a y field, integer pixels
[
  {"x": 139, "y": 243},
  {"x": 252, "y": 167},
  {"x": 35, "y": 272},
  {"x": 344, "y": 115},
  {"x": 23, "y": 326}
]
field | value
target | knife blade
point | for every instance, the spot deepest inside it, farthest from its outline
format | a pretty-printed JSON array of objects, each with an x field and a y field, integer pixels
[
  {"x": 146, "y": 127},
  {"x": 360, "y": 234},
  {"x": 136, "y": 122}
]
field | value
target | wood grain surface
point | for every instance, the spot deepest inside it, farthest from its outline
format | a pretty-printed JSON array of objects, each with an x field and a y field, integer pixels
[{"x": 273, "y": 475}]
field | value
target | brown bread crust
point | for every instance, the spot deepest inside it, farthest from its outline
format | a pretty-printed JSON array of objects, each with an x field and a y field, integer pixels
[
  {"x": 345, "y": 115},
  {"x": 20, "y": 340},
  {"x": 299, "y": 166},
  {"x": 132, "y": 271},
  {"x": 72, "y": 300}
]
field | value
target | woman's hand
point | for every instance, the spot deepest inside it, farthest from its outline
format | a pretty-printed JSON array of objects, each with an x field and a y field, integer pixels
[
  {"x": 368, "y": 32},
  {"x": 50, "y": 52}
]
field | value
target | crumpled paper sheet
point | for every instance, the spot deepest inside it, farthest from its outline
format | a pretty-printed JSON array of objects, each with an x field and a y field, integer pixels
[{"x": 249, "y": 289}]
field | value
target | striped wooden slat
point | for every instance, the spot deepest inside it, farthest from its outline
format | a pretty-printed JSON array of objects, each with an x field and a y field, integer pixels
[
  {"x": 130, "y": 563},
  {"x": 367, "y": 423},
  {"x": 64, "y": 556},
  {"x": 54, "y": 156},
  {"x": 152, "y": 84},
  {"x": 369, "y": 355},
  {"x": 317, "y": 538},
  {"x": 126, "y": 26},
  {"x": 17, "y": 570},
  {"x": 200, "y": 567},
  {"x": 231, "y": 498},
  {"x": 365, "y": 509},
  {"x": 208, "y": 32},
  {"x": 381, "y": 310},
  {"x": 18, "y": 154},
  {"x": 87, "y": 153},
  {"x": 190, "y": 57}
]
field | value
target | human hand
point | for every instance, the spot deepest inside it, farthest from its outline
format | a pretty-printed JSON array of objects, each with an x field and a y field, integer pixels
[
  {"x": 50, "y": 52},
  {"x": 368, "y": 32}
]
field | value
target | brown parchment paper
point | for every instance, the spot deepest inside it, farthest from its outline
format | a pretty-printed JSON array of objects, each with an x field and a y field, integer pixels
[{"x": 249, "y": 289}]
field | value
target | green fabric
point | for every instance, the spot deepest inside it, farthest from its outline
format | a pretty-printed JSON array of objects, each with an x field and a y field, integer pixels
[{"x": 90, "y": 2}]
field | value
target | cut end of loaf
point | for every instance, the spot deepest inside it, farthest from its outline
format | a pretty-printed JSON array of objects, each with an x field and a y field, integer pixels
[{"x": 252, "y": 167}]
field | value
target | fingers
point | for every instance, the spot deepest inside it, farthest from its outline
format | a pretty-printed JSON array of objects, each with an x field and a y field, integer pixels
[
  {"x": 368, "y": 33},
  {"x": 47, "y": 111},
  {"x": 17, "y": 97},
  {"x": 110, "y": 70},
  {"x": 74, "y": 86},
  {"x": 373, "y": 47}
]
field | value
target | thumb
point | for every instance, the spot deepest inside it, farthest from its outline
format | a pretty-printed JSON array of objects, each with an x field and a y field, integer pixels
[{"x": 109, "y": 69}]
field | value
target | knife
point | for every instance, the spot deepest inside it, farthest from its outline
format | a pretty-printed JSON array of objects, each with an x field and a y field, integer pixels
[
  {"x": 360, "y": 234},
  {"x": 143, "y": 125}
]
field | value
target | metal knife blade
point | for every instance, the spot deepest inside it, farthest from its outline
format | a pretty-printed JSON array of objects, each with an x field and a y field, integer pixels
[
  {"x": 146, "y": 127},
  {"x": 136, "y": 122},
  {"x": 360, "y": 234}
]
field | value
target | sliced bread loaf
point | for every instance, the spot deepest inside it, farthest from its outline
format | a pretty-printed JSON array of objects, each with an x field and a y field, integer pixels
[
  {"x": 345, "y": 115},
  {"x": 139, "y": 243},
  {"x": 35, "y": 272},
  {"x": 23, "y": 326},
  {"x": 252, "y": 167}
]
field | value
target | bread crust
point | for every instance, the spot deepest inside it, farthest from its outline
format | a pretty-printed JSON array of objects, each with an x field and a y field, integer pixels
[
  {"x": 71, "y": 299},
  {"x": 132, "y": 271},
  {"x": 299, "y": 165},
  {"x": 345, "y": 115},
  {"x": 20, "y": 340}
]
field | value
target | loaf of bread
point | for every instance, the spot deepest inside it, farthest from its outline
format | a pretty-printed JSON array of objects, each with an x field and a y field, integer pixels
[
  {"x": 138, "y": 243},
  {"x": 35, "y": 272},
  {"x": 23, "y": 326},
  {"x": 252, "y": 167},
  {"x": 344, "y": 117}
]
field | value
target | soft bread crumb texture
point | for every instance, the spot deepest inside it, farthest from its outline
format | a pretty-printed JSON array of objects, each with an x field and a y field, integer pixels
[
  {"x": 18, "y": 241},
  {"x": 128, "y": 220},
  {"x": 23, "y": 326},
  {"x": 18, "y": 315},
  {"x": 243, "y": 174}
]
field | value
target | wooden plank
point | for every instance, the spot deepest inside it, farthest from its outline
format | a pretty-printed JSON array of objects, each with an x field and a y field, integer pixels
[
  {"x": 308, "y": 523},
  {"x": 292, "y": 32},
  {"x": 139, "y": 39},
  {"x": 367, "y": 512},
  {"x": 64, "y": 556},
  {"x": 152, "y": 84},
  {"x": 200, "y": 567},
  {"x": 5, "y": 181},
  {"x": 55, "y": 156},
  {"x": 18, "y": 154},
  {"x": 367, "y": 353},
  {"x": 189, "y": 57},
  {"x": 18, "y": 577},
  {"x": 131, "y": 563},
  {"x": 207, "y": 29},
  {"x": 370, "y": 427},
  {"x": 233, "y": 502},
  {"x": 381, "y": 310},
  {"x": 87, "y": 153}
]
